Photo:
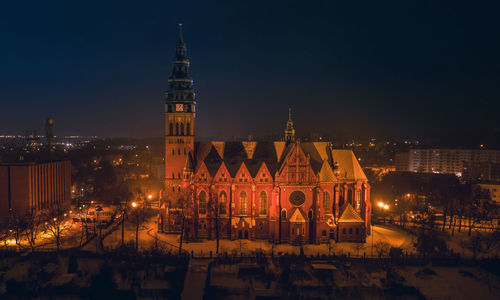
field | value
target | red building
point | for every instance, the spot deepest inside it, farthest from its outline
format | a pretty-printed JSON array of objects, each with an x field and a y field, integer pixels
[
  {"x": 299, "y": 192},
  {"x": 33, "y": 186}
]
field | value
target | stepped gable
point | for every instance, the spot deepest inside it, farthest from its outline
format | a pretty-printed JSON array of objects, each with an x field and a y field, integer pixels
[
  {"x": 349, "y": 214},
  {"x": 349, "y": 167}
]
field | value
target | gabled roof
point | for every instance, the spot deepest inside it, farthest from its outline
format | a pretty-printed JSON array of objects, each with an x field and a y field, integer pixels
[
  {"x": 249, "y": 148},
  {"x": 234, "y": 155},
  {"x": 326, "y": 173},
  {"x": 213, "y": 162},
  {"x": 349, "y": 214},
  {"x": 279, "y": 147},
  {"x": 298, "y": 216},
  {"x": 349, "y": 167},
  {"x": 274, "y": 154}
]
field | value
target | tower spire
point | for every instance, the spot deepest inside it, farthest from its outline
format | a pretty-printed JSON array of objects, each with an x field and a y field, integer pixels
[
  {"x": 181, "y": 39},
  {"x": 289, "y": 131}
]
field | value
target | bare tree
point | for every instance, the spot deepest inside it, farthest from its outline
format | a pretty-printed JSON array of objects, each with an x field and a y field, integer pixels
[
  {"x": 56, "y": 224},
  {"x": 32, "y": 221},
  {"x": 17, "y": 228},
  {"x": 214, "y": 207},
  {"x": 188, "y": 211}
]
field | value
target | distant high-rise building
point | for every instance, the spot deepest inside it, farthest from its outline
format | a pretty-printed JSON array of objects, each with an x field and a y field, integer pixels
[
  {"x": 448, "y": 161},
  {"x": 402, "y": 160}
]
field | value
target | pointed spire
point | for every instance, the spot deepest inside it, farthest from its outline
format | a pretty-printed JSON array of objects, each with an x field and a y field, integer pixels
[
  {"x": 289, "y": 131},
  {"x": 181, "y": 39}
]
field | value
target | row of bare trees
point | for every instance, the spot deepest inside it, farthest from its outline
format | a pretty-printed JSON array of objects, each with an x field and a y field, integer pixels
[{"x": 30, "y": 225}]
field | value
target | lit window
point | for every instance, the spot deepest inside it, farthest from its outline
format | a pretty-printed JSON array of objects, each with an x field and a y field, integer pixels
[
  {"x": 263, "y": 203},
  {"x": 222, "y": 202},
  {"x": 243, "y": 203},
  {"x": 202, "y": 206},
  {"x": 326, "y": 200}
]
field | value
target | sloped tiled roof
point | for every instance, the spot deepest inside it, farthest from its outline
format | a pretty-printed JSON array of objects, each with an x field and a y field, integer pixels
[
  {"x": 349, "y": 214},
  {"x": 326, "y": 173},
  {"x": 349, "y": 167},
  {"x": 274, "y": 154}
]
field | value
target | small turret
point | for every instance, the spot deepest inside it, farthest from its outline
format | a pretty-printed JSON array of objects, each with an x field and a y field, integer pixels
[{"x": 289, "y": 131}]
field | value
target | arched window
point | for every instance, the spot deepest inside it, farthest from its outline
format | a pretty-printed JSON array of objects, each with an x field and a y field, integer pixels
[
  {"x": 349, "y": 196},
  {"x": 176, "y": 128},
  {"x": 326, "y": 201},
  {"x": 310, "y": 214},
  {"x": 182, "y": 128},
  {"x": 222, "y": 203},
  {"x": 263, "y": 203},
  {"x": 188, "y": 128},
  {"x": 283, "y": 214},
  {"x": 171, "y": 129},
  {"x": 202, "y": 203},
  {"x": 179, "y": 175},
  {"x": 243, "y": 203},
  {"x": 173, "y": 151}
]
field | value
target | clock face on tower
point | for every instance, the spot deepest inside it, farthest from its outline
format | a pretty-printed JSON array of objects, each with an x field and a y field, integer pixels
[{"x": 179, "y": 107}]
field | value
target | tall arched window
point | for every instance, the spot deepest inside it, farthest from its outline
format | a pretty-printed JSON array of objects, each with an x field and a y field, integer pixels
[
  {"x": 243, "y": 203},
  {"x": 263, "y": 203},
  {"x": 349, "y": 196},
  {"x": 326, "y": 201},
  {"x": 176, "y": 128},
  {"x": 202, "y": 203},
  {"x": 283, "y": 214},
  {"x": 171, "y": 129},
  {"x": 182, "y": 128},
  {"x": 222, "y": 203},
  {"x": 188, "y": 128}
]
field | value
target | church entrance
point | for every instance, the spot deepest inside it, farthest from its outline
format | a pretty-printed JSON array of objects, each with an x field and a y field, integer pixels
[{"x": 299, "y": 230}]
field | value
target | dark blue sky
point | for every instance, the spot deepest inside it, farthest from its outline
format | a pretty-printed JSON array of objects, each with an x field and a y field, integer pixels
[{"x": 347, "y": 68}]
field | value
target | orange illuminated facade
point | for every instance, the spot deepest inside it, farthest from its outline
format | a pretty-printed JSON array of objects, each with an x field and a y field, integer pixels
[
  {"x": 33, "y": 186},
  {"x": 287, "y": 191}
]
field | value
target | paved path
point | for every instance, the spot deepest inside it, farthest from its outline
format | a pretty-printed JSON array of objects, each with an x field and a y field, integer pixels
[{"x": 194, "y": 283}]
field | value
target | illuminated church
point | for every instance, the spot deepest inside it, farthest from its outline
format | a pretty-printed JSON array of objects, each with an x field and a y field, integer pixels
[{"x": 286, "y": 191}]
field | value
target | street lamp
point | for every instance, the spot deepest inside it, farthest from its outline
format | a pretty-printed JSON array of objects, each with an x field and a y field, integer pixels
[
  {"x": 134, "y": 205},
  {"x": 150, "y": 196}
]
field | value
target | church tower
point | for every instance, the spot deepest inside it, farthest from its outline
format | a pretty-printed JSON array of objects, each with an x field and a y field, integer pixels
[
  {"x": 289, "y": 131},
  {"x": 179, "y": 120}
]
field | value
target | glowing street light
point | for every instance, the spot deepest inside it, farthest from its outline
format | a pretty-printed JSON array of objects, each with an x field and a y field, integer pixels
[
  {"x": 380, "y": 204},
  {"x": 134, "y": 204},
  {"x": 386, "y": 207},
  {"x": 150, "y": 196}
]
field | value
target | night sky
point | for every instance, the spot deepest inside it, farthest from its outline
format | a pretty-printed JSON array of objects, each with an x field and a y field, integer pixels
[{"x": 347, "y": 68}]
